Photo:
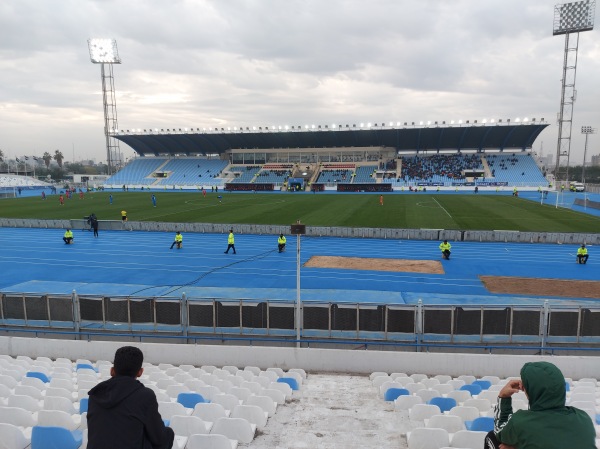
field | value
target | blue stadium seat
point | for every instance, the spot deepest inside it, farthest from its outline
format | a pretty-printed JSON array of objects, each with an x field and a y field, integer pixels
[
  {"x": 392, "y": 394},
  {"x": 189, "y": 400},
  {"x": 481, "y": 424},
  {"x": 472, "y": 388},
  {"x": 83, "y": 405},
  {"x": 293, "y": 383},
  {"x": 445, "y": 404},
  {"x": 55, "y": 438},
  {"x": 84, "y": 366},
  {"x": 38, "y": 375},
  {"x": 484, "y": 384}
]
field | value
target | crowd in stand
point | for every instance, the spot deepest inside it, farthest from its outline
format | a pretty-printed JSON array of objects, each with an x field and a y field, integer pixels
[{"x": 449, "y": 165}]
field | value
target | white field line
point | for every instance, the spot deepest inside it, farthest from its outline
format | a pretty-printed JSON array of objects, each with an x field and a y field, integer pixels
[{"x": 443, "y": 208}]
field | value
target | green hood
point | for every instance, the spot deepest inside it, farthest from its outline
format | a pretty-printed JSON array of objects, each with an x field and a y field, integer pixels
[{"x": 544, "y": 385}]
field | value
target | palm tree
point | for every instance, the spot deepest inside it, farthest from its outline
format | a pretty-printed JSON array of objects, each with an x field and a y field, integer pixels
[
  {"x": 47, "y": 157},
  {"x": 58, "y": 157}
]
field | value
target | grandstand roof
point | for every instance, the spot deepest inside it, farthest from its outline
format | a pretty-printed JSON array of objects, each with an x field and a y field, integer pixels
[{"x": 479, "y": 137}]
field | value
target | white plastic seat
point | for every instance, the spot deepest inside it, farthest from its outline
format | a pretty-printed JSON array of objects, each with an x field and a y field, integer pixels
[
  {"x": 456, "y": 383},
  {"x": 221, "y": 373},
  {"x": 25, "y": 402},
  {"x": 192, "y": 384},
  {"x": 443, "y": 378},
  {"x": 427, "y": 395},
  {"x": 57, "y": 418},
  {"x": 468, "y": 439},
  {"x": 460, "y": 396},
  {"x": 189, "y": 425},
  {"x": 207, "y": 392},
  {"x": 254, "y": 387},
  {"x": 246, "y": 375},
  {"x": 208, "y": 368},
  {"x": 15, "y": 374},
  {"x": 59, "y": 403},
  {"x": 164, "y": 383},
  {"x": 61, "y": 392},
  {"x": 6, "y": 392},
  {"x": 61, "y": 375},
  {"x": 223, "y": 385},
  {"x": 296, "y": 376},
  {"x": 428, "y": 438},
  {"x": 195, "y": 372},
  {"x": 264, "y": 402},
  {"x": 155, "y": 376},
  {"x": 251, "y": 413},
  {"x": 484, "y": 405},
  {"x": 173, "y": 390},
  {"x": 468, "y": 379},
  {"x": 442, "y": 388},
  {"x": 278, "y": 371},
  {"x": 380, "y": 380},
  {"x": 231, "y": 369},
  {"x": 253, "y": 369},
  {"x": 172, "y": 371},
  {"x": 86, "y": 384},
  {"x": 9, "y": 381},
  {"x": 272, "y": 375},
  {"x": 17, "y": 416},
  {"x": 210, "y": 412},
  {"x": 165, "y": 366},
  {"x": 182, "y": 377},
  {"x": 421, "y": 412},
  {"x": 276, "y": 395},
  {"x": 66, "y": 384},
  {"x": 406, "y": 402},
  {"x": 228, "y": 401},
  {"x": 430, "y": 382},
  {"x": 491, "y": 379},
  {"x": 465, "y": 413},
  {"x": 450, "y": 423},
  {"x": 168, "y": 409},
  {"x": 283, "y": 387},
  {"x": 210, "y": 442},
  {"x": 414, "y": 387},
  {"x": 387, "y": 385},
  {"x": 299, "y": 371},
  {"x": 13, "y": 437},
  {"x": 264, "y": 382},
  {"x": 28, "y": 390},
  {"x": 235, "y": 429},
  {"x": 491, "y": 396}
]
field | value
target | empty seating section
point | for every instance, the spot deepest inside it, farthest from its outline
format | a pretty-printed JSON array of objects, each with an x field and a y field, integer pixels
[
  {"x": 439, "y": 167},
  {"x": 245, "y": 173},
  {"x": 274, "y": 173},
  {"x": 194, "y": 172},
  {"x": 137, "y": 172},
  {"x": 515, "y": 169},
  {"x": 52, "y": 404},
  {"x": 7, "y": 180},
  {"x": 365, "y": 174}
]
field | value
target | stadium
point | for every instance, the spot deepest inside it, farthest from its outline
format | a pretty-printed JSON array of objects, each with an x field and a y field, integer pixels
[{"x": 359, "y": 334}]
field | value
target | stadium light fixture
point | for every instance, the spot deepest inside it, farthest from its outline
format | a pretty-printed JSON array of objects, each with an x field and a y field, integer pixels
[
  {"x": 574, "y": 17},
  {"x": 104, "y": 51},
  {"x": 586, "y": 130}
]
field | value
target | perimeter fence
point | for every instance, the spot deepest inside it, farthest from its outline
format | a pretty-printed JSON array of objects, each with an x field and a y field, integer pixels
[
  {"x": 314, "y": 231},
  {"x": 546, "y": 325}
]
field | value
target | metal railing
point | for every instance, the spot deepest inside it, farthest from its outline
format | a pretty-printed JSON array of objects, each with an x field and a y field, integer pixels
[{"x": 546, "y": 326}]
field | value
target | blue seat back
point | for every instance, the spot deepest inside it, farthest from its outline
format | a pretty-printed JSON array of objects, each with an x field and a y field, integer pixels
[
  {"x": 43, "y": 437},
  {"x": 481, "y": 424},
  {"x": 392, "y": 394},
  {"x": 473, "y": 389},
  {"x": 38, "y": 375},
  {"x": 189, "y": 400},
  {"x": 290, "y": 381},
  {"x": 445, "y": 404},
  {"x": 83, "y": 405},
  {"x": 484, "y": 384},
  {"x": 84, "y": 366}
]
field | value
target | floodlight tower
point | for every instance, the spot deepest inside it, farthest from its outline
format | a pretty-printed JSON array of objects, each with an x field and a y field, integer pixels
[
  {"x": 587, "y": 130},
  {"x": 104, "y": 52},
  {"x": 570, "y": 19}
]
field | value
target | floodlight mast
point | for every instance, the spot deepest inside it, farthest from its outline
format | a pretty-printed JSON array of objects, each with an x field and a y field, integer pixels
[
  {"x": 569, "y": 19},
  {"x": 586, "y": 130},
  {"x": 104, "y": 52}
]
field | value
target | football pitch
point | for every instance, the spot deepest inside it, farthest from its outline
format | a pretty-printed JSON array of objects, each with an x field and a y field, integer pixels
[{"x": 402, "y": 211}]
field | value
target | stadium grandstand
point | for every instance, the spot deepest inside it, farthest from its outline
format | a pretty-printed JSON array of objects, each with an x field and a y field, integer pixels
[
  {"x": 378, "y": 157},
  {"x": 377, "y": 363}
]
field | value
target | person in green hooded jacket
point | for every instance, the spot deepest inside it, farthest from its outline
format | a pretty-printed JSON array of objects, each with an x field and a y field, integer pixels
[{"x": 548, "y": 424}]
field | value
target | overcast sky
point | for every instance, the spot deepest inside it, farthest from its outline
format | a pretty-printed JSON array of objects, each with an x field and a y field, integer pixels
[{"x": 196, "y": 63}]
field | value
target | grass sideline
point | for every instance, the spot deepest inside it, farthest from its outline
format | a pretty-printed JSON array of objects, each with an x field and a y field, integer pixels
[{"x": 403, "y": 211}]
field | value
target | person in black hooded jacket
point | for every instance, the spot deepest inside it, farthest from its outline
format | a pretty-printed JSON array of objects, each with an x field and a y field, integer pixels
[{"x": 122, "y": 412}]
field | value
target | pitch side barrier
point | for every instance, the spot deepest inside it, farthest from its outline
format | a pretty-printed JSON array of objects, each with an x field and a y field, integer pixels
[
  {"x": 314, "y": 231},
  {"x": 262, "y": 321}
]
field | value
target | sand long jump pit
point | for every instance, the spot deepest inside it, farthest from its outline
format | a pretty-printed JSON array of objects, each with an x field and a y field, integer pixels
[
  {"x": 373, "y": 264},
  {"x": 567, "y": 288}
]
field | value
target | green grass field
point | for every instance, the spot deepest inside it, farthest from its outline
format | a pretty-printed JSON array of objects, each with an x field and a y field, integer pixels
[{"x": 433, "y": 211}]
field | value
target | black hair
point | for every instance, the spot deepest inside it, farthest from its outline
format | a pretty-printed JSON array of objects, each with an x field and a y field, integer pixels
[{"x": 128, "y": 361}]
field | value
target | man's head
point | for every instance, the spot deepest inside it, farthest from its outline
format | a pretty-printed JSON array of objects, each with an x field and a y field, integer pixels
[
  {"x": 280, "y": 235},
  {"x": 583, "y": 245},
  {"x": 231, "y": 230},
  {"x": 128, "y": 362},
  {"x": 445, "y": 241},
  {"x": 544, "y": 385},
  {"x": 178, "y": 232}
]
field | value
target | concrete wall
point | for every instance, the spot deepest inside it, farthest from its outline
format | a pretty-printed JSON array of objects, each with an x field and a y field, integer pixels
[{"x": 310, "y": 359}]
